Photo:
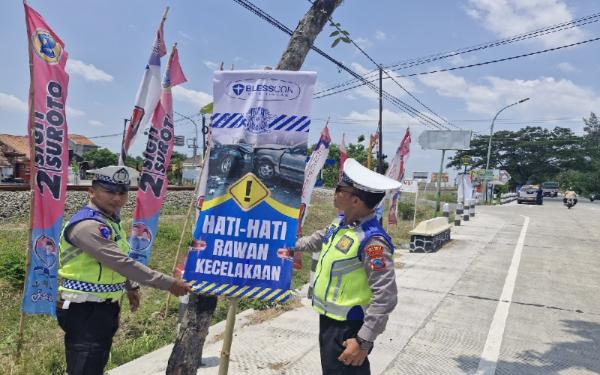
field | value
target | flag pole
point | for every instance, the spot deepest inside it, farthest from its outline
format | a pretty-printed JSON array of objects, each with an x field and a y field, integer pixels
[{"x": 31, "y": 178}]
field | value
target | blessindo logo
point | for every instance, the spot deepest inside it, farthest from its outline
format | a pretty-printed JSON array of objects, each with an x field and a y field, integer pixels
[{"x": 266, "y": 89}]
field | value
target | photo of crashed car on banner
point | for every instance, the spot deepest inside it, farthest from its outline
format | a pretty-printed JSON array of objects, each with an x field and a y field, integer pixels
[{"x": 277, "y": 158}]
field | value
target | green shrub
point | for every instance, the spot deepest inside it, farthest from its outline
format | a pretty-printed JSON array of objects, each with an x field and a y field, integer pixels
[{"x": 12, "y": 268}]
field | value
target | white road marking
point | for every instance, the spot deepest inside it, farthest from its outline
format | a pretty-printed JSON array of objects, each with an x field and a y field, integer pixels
[{"x": 491, "y": 350}]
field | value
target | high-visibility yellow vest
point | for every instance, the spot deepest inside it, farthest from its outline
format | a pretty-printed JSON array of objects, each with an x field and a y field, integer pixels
[
  {"x": 80, "y": 273},
  {"x": 341, "y": 290}
]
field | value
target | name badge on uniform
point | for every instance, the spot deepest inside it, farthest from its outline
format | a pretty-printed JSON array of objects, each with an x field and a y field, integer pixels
[{"x": 344, "y": 244}]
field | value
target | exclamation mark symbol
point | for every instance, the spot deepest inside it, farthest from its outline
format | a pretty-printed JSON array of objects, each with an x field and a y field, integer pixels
[{"x": 248, "y": 186}]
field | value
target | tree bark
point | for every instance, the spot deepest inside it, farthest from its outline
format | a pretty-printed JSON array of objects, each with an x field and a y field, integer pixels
[
  {"x": 186, "y": 356},
  {"x": 305, "y": 34}
]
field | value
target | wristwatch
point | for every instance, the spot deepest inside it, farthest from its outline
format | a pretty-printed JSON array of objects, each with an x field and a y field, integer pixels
[{"x": 364, "y": 344}]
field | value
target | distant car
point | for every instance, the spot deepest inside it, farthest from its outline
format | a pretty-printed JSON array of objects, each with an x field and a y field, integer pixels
[
  {"x": 285, "y": 162},
  {"x": 227, "y": 158},
  {"x": 594, "y": 196},
  {"x": 528, "y": 194},
  {"x": 550, "y": 188}
]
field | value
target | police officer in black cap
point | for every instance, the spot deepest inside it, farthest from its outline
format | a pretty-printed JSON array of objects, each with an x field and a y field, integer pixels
[{"x": 95, "y": 272}]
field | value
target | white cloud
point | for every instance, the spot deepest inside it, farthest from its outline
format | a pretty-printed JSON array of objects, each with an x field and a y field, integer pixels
[
  {"x": 511, "y": 17},
  {"x": 370, "y": 118},
  {"x": 211, "y": 65},
  {"x": 550, "y": 97},
  {"x": 96, "y": 123},
  {"x": 9, "y": 102},
  {"x": 88, "y": 71},
  {"x": 364, "y": 43},
  {"x": 185, "y": 35},
  {"x": 197, "y": 98},
  {"x": 73, "y": 112},
  {"x": 388, "y": 85},
  {"x": 380, "y": 35},
  {"x": 566, "y": 67}
]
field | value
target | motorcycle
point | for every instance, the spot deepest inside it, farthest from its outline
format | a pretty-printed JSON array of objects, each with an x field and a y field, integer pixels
[{"x": 570, "y": 202}]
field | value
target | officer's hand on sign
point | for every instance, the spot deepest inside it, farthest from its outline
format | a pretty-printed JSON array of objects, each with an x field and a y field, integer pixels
[
  {"x": 180, "y": 288},
  {"x": 134, "y": 299},
  {"x": 353, "y": 355}
]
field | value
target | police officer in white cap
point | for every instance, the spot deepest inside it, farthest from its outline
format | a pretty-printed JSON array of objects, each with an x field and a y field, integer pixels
[
  {"x": 354, "y": 289},
  {"x": 95, "y": 272}
]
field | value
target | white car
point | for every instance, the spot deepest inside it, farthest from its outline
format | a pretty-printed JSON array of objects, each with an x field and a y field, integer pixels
[{"x": 528, "y": 194}]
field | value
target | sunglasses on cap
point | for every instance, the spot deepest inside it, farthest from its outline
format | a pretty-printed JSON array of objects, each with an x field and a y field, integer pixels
[{"x": 345, "y": 189}]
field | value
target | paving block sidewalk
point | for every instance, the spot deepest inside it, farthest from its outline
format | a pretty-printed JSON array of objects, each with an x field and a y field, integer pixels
[{"x": 288, "y": 343}]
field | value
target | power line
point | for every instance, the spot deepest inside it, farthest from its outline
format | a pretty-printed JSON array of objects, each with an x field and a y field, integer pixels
[
  {"x": 466, "y": 66},
  {"x": 426, "y": 120},
  {"x": 515, "y": 38},
  {"x": 386, "y": 72}
]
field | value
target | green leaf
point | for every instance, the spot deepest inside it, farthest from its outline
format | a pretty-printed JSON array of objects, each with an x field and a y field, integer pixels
[
  {"x": 346, "y": 40},
  {"x": 334, "y": 33},
  {"x": 335, "y": 42},
  {"x": 345, "y": 32}
]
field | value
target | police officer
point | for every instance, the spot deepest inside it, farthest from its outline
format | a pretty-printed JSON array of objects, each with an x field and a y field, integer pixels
[
  {"x": 354, "y": 289},
  {"x": 95, "y": 271}
]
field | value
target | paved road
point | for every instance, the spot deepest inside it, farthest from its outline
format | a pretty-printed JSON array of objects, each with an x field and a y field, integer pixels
[{"x": 516, "y": 292}]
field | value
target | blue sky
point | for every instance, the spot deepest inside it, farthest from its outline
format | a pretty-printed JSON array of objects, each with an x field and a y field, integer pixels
[{"x": 109, "y": 43}]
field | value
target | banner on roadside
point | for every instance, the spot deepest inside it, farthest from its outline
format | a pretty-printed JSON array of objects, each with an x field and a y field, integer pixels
[
  {"x": 148, "y": 93},
  {"x": 152, "y": 186},
  {"x": 260, "y": 125},
  {"x": 49, "y": 157}
]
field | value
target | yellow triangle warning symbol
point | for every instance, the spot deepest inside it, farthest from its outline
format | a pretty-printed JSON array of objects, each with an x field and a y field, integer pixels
[{"x": 249, "y": 191}]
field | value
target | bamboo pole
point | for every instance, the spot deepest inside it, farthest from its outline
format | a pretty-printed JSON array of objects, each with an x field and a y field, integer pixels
[
  {"x": 228, "y": 336},
  {"x": 31, "y": 170}
]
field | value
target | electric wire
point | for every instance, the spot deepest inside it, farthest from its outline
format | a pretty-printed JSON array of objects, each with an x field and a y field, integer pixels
[
  {"x": 444, "y": 55},
  {"x": 411, "y": 111}
]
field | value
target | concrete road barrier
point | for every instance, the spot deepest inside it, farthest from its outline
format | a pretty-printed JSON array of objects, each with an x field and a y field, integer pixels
[{"x": 430, "y": 235}]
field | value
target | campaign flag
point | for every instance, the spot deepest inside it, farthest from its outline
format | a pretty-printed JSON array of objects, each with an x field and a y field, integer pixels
[
  {"x": 148, "y": 93},
  {"x": 311, "y": 173},
  {"x": 249, "y": 217},
  {"x": 49, "y": 157},
  {"x": 343, "y": 154},
  {"x": 373, "y": 139},
  {"x": 396, "y": 171},
  {"x": 152, "y": 187}
]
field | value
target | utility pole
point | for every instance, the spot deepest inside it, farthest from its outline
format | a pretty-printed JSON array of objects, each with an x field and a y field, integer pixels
[{"x": 379, "y": 126}]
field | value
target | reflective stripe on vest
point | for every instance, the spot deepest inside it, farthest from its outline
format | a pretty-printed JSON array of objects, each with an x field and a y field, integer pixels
[
  {"x": 341, "y": 290},
  {"x": 80, "y": 273}
]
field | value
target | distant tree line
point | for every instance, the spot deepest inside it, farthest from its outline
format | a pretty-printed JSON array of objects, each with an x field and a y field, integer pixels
[
  {"x": 103, "y": 157},
  {"x": 534, "y": 154}
]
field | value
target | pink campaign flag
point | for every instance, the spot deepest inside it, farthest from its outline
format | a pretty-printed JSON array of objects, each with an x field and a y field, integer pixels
[
  {"x": 49, "y": 157},
  {"x": 157, "y": 159},
  {"x": 396, "y": 171},
  {"x": 148, "y": 93},
  {"x": 343, "y": 154},
  {"x": 311, "y": 173}
]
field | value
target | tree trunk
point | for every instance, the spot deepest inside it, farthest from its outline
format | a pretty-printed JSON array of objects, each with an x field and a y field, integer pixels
[
  {"x": 186, "y": 356},
  {"x": 305, "y": 34}
]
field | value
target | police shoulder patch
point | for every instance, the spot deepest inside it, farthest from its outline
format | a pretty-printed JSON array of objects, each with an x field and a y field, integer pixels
[
  {"x": 344, "y": 243},
  {"x": 374, "y": 251},
  {"x": 104, "y": 231},
  {"x": 377, "y": 264}
]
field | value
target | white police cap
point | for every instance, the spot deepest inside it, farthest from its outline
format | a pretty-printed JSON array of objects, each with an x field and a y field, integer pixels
[
  {"x": 118, "y": 175},
  {"x": 362, "y": 178}
]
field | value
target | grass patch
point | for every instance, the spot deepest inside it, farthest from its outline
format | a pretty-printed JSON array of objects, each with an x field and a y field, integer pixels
[{"x": 146, "y": 330}]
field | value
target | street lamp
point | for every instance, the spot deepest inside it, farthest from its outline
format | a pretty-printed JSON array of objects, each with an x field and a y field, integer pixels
[{"x": 489, "y": 150}]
